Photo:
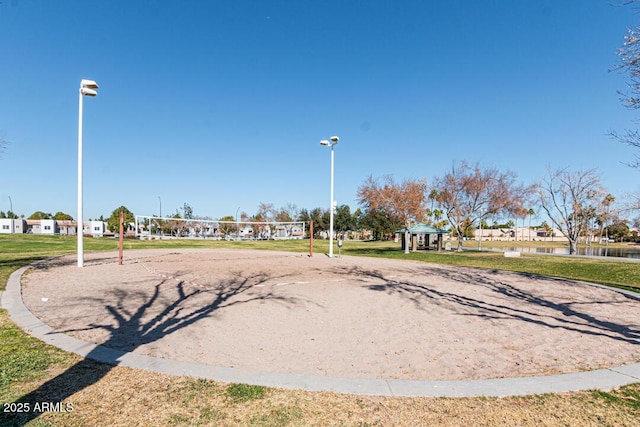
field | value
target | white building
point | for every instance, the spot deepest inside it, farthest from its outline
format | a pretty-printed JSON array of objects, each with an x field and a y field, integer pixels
[
  {"x": 520, "y": 234},
  {"x": 48, "y": 226},
  {"x": 11, "y": 226},
  {"x": 53, "y": 227},
  {"x": 94, "y": 228}
]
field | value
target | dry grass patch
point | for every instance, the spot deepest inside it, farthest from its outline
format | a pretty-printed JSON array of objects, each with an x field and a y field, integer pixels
[{"x": 130, "y": 397}]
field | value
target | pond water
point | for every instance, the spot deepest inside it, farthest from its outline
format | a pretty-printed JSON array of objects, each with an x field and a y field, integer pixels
[{"x": 627, "y": 252}]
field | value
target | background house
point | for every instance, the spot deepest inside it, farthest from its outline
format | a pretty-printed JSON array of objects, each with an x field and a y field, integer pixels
[
  {"x": 11, "y": 226},
  {"x": 48, "y": 226}
]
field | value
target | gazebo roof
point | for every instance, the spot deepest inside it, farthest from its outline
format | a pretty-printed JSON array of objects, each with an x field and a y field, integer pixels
[{"x": 424, "y": 229}]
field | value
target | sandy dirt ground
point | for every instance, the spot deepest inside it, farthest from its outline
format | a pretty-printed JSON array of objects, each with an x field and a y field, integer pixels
[{"x": 343, "y": 317}]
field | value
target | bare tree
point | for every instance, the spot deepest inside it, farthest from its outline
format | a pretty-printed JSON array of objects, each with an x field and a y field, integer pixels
[
  {"x": 403, "y": 201},
  {"x": 266, "y": 212},
  {"x": 569, "y": 199},
  {"x": 629, "y": 63},
  {"x": 283, "y": 215},
  {"x": 629, "y": 205},
  {"x": 471, "y": 194},
  {"x": 291, "y": 209}
]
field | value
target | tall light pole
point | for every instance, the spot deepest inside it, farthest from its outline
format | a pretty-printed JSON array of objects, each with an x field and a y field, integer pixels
[
  {"x": 330, "y": 143},
  {"x": 87, "y": 88},
  {"x": 160, "y": 200},
  {"x": 11, "y": 206}
]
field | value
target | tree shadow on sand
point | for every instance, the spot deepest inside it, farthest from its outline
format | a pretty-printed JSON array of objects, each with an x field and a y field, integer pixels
[
  {"x": 171, "y": 305},
  {"x": 566, "y": 315}
]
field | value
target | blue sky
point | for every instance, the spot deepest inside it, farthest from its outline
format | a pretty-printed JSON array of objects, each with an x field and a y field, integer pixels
[{"x": 222, "y": 104}]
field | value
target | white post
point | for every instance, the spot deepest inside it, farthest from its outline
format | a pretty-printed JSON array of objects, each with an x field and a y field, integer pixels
[
  {"x": 87, "y": 87},
  {"x": 331, "y": 211},
  {"x": 80, "y": 228},
  {"x": 330, "y": 143}
]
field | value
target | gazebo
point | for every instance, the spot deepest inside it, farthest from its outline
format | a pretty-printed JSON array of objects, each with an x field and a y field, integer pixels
[{"x": 421, "y": 236}]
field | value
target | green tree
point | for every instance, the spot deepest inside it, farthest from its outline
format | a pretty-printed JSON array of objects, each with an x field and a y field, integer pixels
[
  {"x": 320, "y": 218},
  {"x": 343, "y": 221},
  {"x": 187, "y": 211},
  {"x": 357, "y": 215},
  {"x": 303, "y": 215},
  {"x": 39, "y": 215},
  {"x": 61, "y": 216},
  {"x": 380, "y": 224},
  {"x": 618, "y": 230},
  {"x": 548, "y": 230},
  {"x": 113, "y": 222}
]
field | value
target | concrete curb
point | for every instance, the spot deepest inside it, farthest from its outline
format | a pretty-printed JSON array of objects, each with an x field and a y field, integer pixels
[{"x": 602, "y": 379}]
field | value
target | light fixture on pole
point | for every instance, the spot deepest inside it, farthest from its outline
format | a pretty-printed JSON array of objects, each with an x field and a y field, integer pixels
[
  {"x": 330, "y": 143},
  {"x": 87, "y": 88}
]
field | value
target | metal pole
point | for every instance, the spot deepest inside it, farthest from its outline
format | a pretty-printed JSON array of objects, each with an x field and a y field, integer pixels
[
  {"x": 120, "y": 237},
  {"x": 160, "y": 218},
  {"x": 237, "y": 225},
  {"x": 310, "y": 238},
  {"x": 80, "y": 228},
  {"x": 331, "y": 210},
  {"x": 10, "y": 205}
]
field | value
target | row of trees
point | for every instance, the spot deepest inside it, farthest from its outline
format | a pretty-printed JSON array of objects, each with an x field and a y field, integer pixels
[
  {"x": 575, "y": 202},
  {"x": 37, "y": 215},
  {"x": 465, "y": 198},
  {"x": 8, "y": 214},
  {"x": 467, "y": 195}
]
